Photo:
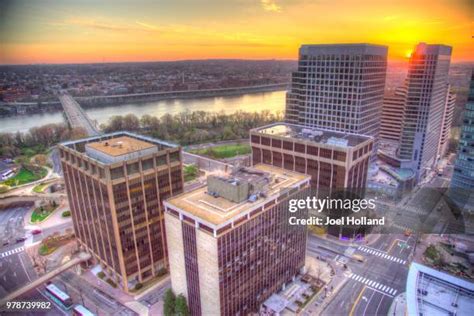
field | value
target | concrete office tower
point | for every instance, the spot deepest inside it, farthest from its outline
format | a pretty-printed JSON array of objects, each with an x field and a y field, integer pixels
[
  {"x": 427, "y": 88},
  {"x": 116, "y": 185},
  {"x": 339, "y": 87},
  {"x": 393, "y": 113},
  {"x": 334, "y": 160},
  {"x": 231, "y": 244},
  {"x": 447, "y": 122},
  {"x": 462, "y": 182}
]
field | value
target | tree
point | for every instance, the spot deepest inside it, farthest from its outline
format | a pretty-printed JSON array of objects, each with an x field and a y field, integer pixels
[
  {"x": 40, "y": 159},
  {"x": 169, "y": 303},
  {"x": 131, "y": 122},
  {"x": 115, "y": 124},
  {"x": 181, "y": 307}
]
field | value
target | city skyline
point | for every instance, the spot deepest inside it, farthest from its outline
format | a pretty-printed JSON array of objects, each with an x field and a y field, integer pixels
[
  {"x": 236, "y": 157},
  {"x": 79, "y": 32}
]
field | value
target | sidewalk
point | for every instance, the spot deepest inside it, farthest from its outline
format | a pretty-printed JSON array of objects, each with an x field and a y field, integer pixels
[
  {"x": 116, "y": 293},
  {"x": 336, "y": 283},
  {"x": 399, "y": 306}
]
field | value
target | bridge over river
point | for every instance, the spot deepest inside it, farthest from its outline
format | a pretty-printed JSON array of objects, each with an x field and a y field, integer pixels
[{"x": 76, "y": 116}]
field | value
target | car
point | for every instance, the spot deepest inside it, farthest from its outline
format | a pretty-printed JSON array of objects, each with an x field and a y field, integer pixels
[
  {"x": 5, "y": 243},
  {"x": 20, "y": 239},
  {"x": 36, "y": 232}
]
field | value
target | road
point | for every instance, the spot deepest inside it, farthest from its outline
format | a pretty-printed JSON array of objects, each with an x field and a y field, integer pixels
[
  {"x": 156, "y": 295},
  {"x": 76, "y": 116},
  {"x": 11, "y": 228},
  {"x": 94, "y": 299},
  {"x": 372, "y": 285},
  {"x": 56, "y": 161}
]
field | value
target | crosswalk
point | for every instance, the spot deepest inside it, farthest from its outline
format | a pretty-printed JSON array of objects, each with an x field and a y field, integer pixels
[
  {"x": 403, "y": 227},
  {"x": 11, "y": 252},
  {"x": 416, "y": 210},
  {"x": 382, "y": 255},
  {"x": 374, "y": 285}
]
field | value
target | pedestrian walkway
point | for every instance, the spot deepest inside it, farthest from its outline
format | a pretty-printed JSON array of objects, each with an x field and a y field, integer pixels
[
  {"x": 11, "y": 252},
  {"x": 381, "y": 254},
  {"x": 379, "y": 287}
]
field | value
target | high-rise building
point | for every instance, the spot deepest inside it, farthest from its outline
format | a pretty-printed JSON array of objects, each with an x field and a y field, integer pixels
[
  {"x": 116, "y": 185},
  {"x": 427, "y": 84},
  {"x": 462, "y": 182},
  {"x": 393, "y": 113},
  {"x": 339, "y": 87},
  {"x": 334, "y": 160},
  {"x": 231, "y": 244},
  {"x": 447, "y": 122}
]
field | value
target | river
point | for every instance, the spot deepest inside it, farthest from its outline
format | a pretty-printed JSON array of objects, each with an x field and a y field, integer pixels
[{"x": 251, "y": 102}]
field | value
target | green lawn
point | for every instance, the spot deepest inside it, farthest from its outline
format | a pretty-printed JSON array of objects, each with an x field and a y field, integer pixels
[
  {"x": 190, "y": 172},
  {"x": 44, "y": 250},
  {"x": 224, "y": 151},
  {"x": 26, "y": 175},
  {"x": 41, "y": 213},
  {"x": 40, "y": 188}
]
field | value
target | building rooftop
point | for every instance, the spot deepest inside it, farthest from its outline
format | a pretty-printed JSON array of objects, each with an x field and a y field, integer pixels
[
  {"x": 120, "y": 145},
  {"x": 431, "y": 292},
  {"x": 218, "y": 211},
  {"x": 345, "y": 49},
  {"x": 333, "y": 138}
]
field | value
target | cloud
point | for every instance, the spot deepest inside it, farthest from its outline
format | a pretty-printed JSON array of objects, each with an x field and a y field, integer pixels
[
  {"x": 147, "y": 26},
  {"x": 99, "y": 25},
  {"x": 105, "y": 26},
  {"x": 270, "y": 5}
]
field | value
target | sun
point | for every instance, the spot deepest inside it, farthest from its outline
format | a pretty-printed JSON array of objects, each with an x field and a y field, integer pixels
[{"x": 408, "y": 53}]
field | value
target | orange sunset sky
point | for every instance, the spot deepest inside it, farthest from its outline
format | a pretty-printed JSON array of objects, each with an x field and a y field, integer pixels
[{"x": 70, "y": 31}]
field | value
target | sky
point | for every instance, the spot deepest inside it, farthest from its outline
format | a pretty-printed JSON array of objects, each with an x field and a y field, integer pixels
[{"x": 84, "y": 31}]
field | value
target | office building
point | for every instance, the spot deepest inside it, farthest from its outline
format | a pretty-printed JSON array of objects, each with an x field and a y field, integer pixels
[
  {"x": 339, "y": 87},
  {"x": 334, "y": 160},
  {"x": 116, "y": 185},
  {"x": 447, "y": 122},
  {"x": 231, "y": 244},
  {"x": 462, "y": 182},
  {"x": 393, "y": 113},
  {"x": 427, "y": 84}
]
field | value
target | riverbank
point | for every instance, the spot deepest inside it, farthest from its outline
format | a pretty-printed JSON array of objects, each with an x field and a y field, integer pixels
[
  {"x": 25, "y": 108},
  {"x": 272, "y": 101}
]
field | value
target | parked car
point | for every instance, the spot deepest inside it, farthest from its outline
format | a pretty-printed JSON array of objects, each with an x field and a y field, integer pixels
[
  {"x": 5, "y": 243},
  {"x": 36, "y": 232},
  {"x": 20, "y": 239}
]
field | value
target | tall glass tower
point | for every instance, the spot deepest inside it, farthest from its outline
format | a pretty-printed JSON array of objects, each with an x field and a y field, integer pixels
[
  {"x": 462, "y": 182},
  {"x": 426, "y": 101},
  {"x": 339, "y": 87}
]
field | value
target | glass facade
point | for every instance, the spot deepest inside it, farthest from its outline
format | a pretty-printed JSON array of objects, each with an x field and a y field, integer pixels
[
  {"x": 427, "y": 83},
  {"x": 339, "y": 87},
  {"x": 463, "y": 176}
]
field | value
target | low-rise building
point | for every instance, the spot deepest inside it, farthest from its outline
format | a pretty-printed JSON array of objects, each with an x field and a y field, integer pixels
[
  {"x": 431, "y": 292},
  {"x": 334, "y": 160}
]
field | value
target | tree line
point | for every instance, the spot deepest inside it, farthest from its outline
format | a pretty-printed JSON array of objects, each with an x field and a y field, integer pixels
[
  {"x": 37, "y": 139},
  {"x": 184, "y": 128},
  {"x": 193, "y": 127}
]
